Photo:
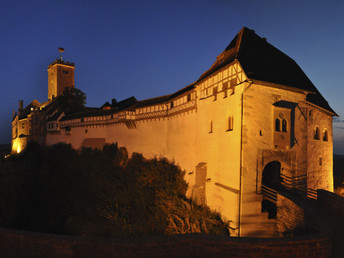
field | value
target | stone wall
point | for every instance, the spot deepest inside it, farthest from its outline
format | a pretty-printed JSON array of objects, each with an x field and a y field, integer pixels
[
  {"x": 290, "y": 217},
  {"x": 331, "y": 202},
  {"x": 29, "y": 244}
]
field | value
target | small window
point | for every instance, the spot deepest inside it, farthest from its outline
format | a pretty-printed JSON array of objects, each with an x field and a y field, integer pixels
[
  {"x": 65, "y": 72},
  {"x": 284, "y": 125},
  {"x": 172, "y": 104},
  {"x": 188, "y": 98},
  {"x": 210, "y": 127},
  {"x": 68, "y": 130},
  {"x": 320, "y": 161},
  {"x": 232, "y": 85},
  {"x": 225, "y": 89},
  {"x": 215, "y": 92},
  {"x": 325, "y": 136},
  {"x": 277, "y": 125},
  {"x": 230, "y": 123},
  {"x": 316, "y": 133}
]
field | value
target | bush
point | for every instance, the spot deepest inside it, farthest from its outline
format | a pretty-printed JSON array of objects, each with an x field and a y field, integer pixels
[{"x": 91, "y": 192}]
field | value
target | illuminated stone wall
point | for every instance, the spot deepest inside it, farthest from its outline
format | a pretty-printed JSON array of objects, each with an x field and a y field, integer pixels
[
  {"x": 319, "y": 151},
  {"x": 226, "y": 125},
  {"x": 60, "y": 76}
]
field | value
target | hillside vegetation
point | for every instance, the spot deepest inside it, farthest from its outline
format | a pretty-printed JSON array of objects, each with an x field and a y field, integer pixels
[{"x": 91, "y": 192}]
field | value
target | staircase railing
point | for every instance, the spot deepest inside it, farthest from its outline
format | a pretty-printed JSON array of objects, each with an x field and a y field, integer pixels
[
  {"x": 293, "y": 182},
  {"x": 296, "y": 184},
  {"x": 269, "y": 193}
]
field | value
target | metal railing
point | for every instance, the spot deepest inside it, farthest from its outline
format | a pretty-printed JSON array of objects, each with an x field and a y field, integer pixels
[
  {"x": 269, "y": 193},
  {"x": 296, "y": 184},
  {"x": 293, "y": 182}
]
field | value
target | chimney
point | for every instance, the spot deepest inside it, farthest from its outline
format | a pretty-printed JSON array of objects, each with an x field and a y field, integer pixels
[
  {"x": 113, "y": 102},
  {"x": 21, "y": 102}
]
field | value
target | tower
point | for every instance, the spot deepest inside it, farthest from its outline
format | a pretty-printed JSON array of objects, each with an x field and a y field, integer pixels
[{"x": 60, "y": 76}]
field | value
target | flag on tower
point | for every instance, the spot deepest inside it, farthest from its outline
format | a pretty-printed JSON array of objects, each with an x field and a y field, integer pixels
[{"x": 61, "y": 49}]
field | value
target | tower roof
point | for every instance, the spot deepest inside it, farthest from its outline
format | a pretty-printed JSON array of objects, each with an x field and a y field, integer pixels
[{"x": 262, "y": 61}]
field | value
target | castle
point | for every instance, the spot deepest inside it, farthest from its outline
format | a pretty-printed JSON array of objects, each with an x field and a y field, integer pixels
[{"x": 252, "y": 119}]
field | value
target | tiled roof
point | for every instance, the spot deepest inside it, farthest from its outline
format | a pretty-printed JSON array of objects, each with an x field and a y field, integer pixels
[{"x": 262, "y": 61}]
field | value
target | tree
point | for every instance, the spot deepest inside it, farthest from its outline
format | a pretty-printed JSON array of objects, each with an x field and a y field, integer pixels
[{"x": 72, "y": 100}]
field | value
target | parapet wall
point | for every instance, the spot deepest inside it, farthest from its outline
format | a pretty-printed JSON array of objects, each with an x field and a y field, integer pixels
[
  {"x": 29, "y": 244},
  {"x": 331, "y": 202}
]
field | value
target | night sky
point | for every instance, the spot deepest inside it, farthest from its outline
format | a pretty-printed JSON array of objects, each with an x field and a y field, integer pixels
[{"x": 153, "y": 48}]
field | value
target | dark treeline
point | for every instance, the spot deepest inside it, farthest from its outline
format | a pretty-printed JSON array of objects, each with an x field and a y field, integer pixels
[{"x": 57, "y": 189}]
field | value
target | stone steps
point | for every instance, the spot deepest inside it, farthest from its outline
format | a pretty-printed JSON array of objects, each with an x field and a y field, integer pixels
[{"x": 256, "y": 223}]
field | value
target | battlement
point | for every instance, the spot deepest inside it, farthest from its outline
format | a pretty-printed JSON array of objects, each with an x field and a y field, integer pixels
[{"x": 58, "y": 61}]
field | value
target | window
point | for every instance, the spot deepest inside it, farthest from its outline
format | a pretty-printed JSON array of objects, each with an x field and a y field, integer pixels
[
  {"x": 232, "y": 85},
  {"x": 210, "y": 127},
  {"x": 215, "y": 92},
  {"x": 230, "y": 124},
  {"x": 316, "y": 133},
  {"x": 277, "y": 125},
  {"x": 225, "y": 89},
  {"x": 65, "y": 72},
  {"x": 284, "y": 125},
  {"x": 172, "y": 104},
  {"x": 325, "y": 136},
  {"x": 320, "y": 161},
  {"x": 188, "y": 98},
  {"x": 68, "y": 130}
]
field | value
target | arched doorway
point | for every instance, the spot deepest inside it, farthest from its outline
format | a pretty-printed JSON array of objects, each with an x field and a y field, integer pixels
[
  {"x": 272, "y": 175},
  {"x": 271, "y": 178}
]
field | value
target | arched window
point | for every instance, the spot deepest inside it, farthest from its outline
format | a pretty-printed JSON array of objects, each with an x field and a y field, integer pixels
[
  {"x": 316, "y": 133},
  {"x": 277, "y": 125},
  {"x": 325, "y": 136},
  {"x": 284, "y": 125}
]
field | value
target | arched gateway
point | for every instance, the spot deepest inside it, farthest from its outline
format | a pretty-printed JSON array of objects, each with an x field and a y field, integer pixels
[{"x": 271, "y": 178}]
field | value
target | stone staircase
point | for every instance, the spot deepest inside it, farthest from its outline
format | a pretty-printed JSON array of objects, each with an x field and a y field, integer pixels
[{"x": 256, "y": 223}]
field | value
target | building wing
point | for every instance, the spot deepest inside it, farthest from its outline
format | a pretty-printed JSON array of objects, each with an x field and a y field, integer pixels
[{"x": 263, "y": 62}]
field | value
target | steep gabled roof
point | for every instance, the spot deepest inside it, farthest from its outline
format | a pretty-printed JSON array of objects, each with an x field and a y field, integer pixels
[
  {"x": 27, "y": 110},
  {"x": 262, "y": 61}
]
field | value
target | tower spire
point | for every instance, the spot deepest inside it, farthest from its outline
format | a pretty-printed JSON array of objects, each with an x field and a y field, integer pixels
[{"x": 61, "y": 50}]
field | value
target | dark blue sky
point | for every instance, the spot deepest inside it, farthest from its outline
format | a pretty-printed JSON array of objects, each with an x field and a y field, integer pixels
[{"x": 153, "y": 48}]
